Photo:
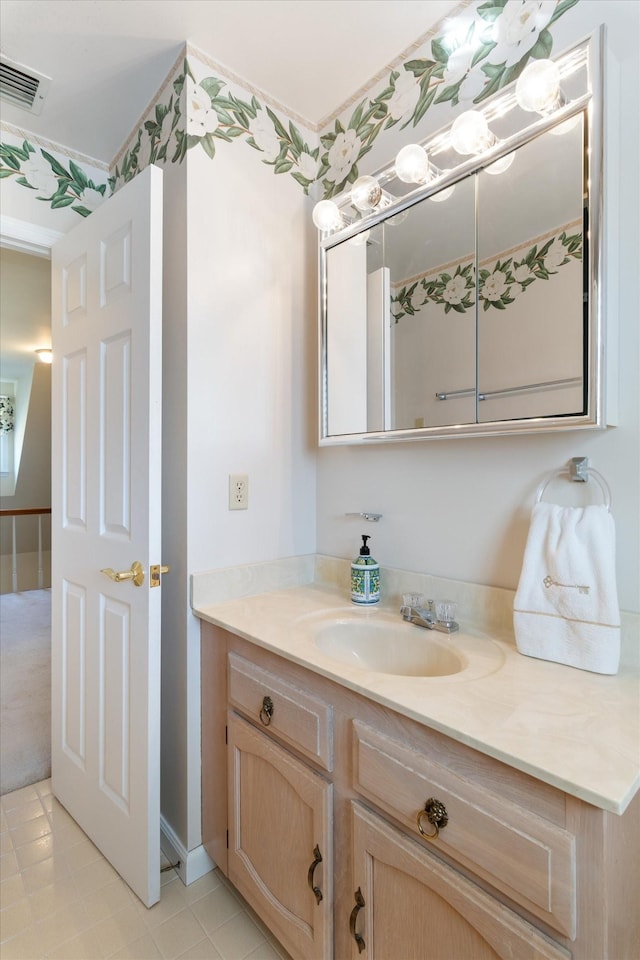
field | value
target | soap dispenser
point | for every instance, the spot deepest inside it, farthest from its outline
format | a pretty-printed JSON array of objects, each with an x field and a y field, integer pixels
[{"x": 365, "y": 576}]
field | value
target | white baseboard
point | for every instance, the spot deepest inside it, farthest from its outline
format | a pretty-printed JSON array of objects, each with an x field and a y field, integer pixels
[{"x": 193, "y": 863}]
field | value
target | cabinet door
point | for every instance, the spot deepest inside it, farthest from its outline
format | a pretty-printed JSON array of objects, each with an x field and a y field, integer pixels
[
  {"x": 409, "y": 904},
  {"x": 280, "y": 828}
]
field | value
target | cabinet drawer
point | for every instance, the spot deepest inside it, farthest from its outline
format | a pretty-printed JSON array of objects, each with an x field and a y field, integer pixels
[
  {"x": 518, "y": 852},
  {"x": 293, "y": 715}
]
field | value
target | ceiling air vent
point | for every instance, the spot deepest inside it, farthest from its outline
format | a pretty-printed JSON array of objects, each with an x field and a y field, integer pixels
[{"x": 21, "y": 86}]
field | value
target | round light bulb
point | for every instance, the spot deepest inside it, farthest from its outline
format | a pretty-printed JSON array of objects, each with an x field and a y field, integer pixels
[
  {"x": 366, "y": 194},
  {"x": 326, "y": 216},
  {"x": 412, "y": 164},
  {"x": 538, "y": 87},
  {"x": 499, "y": 166},
  {"x": 470, "y": 133}
]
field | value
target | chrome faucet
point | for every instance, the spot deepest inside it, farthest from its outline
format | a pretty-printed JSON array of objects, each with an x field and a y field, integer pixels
[{"x": 427, "y": 617}]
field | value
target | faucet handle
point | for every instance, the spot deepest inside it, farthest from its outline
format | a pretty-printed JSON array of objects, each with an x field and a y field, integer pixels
[
  {"x": 412, "y": 599},
  {"x": 445, "y": 611}
]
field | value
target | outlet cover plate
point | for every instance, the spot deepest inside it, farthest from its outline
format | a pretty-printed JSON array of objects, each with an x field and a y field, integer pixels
[{"x": 238, "y": 491}]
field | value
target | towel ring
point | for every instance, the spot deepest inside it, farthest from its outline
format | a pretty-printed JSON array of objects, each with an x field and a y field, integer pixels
[{"x": 581, "y": 473}]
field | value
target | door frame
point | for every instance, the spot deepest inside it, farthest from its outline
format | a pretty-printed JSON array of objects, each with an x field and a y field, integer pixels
[{"x": 27, "y": 237}]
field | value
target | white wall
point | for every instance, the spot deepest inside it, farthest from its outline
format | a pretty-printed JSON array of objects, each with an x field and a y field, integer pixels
[
  {"x": 239, "y": 378},
  {"x": 460, "y": 508},
  {"x": 251, "y": 373}
]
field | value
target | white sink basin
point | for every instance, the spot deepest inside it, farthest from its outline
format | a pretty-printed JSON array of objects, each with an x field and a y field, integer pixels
[
  {"x": 379, "y": 641},
  {"x": 385, "y": 647}
]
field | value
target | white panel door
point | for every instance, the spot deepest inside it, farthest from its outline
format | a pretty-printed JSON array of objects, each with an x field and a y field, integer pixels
[{"x": 106, "y": 462}]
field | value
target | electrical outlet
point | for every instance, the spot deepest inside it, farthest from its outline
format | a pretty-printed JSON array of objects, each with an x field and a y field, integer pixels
[{"x": 238, "y": 491}]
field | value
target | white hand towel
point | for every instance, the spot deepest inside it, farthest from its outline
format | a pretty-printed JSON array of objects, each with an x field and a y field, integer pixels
[{"x": 566, "y": 605}]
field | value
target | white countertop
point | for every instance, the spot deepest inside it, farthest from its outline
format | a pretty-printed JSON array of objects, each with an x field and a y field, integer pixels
[{"x": 575, "y": 730}]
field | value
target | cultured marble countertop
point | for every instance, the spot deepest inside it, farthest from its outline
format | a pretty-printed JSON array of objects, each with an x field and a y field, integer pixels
[{"x": 575, "y": 730}]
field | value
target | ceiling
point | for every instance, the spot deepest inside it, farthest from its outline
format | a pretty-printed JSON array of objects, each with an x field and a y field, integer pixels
[{"x": 107, "y": 58}]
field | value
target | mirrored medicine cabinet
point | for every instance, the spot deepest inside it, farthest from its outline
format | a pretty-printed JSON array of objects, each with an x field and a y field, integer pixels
[{"x": 470, "y": 304}]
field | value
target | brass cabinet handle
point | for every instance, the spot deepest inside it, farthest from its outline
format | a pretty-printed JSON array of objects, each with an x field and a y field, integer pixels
[
  {"x": 436, "y": 814},
  {"x": 136, "y": 574},
  {"x": 352, "y": 920},
  {"x": 267, "y": 711},
  {"x": 317, "y": 858}
]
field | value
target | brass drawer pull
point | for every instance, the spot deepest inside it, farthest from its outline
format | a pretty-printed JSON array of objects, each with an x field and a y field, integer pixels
[
  {"x": 352, "y": 920},
  {"x": 436, "y": 814},
  {"x": 267, "y": 711},
  {"x": 317, "y": 858}
]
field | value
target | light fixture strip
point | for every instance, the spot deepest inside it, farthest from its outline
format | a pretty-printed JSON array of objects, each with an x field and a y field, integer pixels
[
  {"x": 568, "y": 64},
  {"x": 459, "y": 172}
]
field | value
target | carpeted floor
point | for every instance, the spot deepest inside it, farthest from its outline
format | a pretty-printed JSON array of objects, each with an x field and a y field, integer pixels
[{"x": 25, "y": 688}]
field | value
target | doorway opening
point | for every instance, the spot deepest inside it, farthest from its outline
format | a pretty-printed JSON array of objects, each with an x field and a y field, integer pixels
[{"x": 25, "y": 530}]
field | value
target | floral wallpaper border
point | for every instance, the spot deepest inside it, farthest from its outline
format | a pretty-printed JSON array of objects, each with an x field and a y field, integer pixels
[
  {"x": 498, "y": 286},
  {"x": 205, "y": 113},
  {"x": 58, "y": 185},
  {"x": 498, "y": 40},
  {"x": 496, "y": 47}
]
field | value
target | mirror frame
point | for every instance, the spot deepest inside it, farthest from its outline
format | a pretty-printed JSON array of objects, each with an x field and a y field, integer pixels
[{"x": 591, "y": 104}]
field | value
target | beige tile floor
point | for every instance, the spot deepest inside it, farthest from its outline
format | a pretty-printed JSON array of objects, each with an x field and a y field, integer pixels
[{"x": 61, "y": 900}]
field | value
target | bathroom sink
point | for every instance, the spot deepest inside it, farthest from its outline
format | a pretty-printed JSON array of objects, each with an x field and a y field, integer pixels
[
  {"x": 378, "y": 641},
  {"x": 385, "y": 647}
]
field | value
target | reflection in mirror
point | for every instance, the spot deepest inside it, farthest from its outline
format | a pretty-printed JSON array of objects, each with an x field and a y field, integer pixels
[
  {"x": 531, "y": 315},
  {"x": 431, "y": 256},
  {"x": 401, "y": 319},
  {"x": 357, "y": 335}
]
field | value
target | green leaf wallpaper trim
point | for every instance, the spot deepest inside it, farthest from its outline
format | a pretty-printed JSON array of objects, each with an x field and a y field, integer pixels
[
  {"x": 503, "y": 36},
  {"x": 498, "y": 285},
  {"x": 59, "y": 186}
]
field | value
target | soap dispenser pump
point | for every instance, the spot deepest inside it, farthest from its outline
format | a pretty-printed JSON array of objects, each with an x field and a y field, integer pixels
[{"x": 365, "y": 576}]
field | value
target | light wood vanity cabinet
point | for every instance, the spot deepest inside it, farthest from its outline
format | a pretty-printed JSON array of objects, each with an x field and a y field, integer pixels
[
  {"x": 280, "y": 839},
  {"x": 520, "y": 870},
  {"x": 411, "y": 905}
]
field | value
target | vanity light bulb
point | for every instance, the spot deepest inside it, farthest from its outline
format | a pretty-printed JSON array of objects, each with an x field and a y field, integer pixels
[
  {"x": 499, "y": 166},
  {"x": 326, "y": 216},
  {"x": 366, "y": 194},
  {"x": 470, "y": 133},
  {"x": 538, "y": 87},
  {"x": 412, "y": 164}
]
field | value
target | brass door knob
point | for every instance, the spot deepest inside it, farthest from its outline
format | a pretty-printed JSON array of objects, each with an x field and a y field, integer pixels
[{"x": 136, "y": 574}]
